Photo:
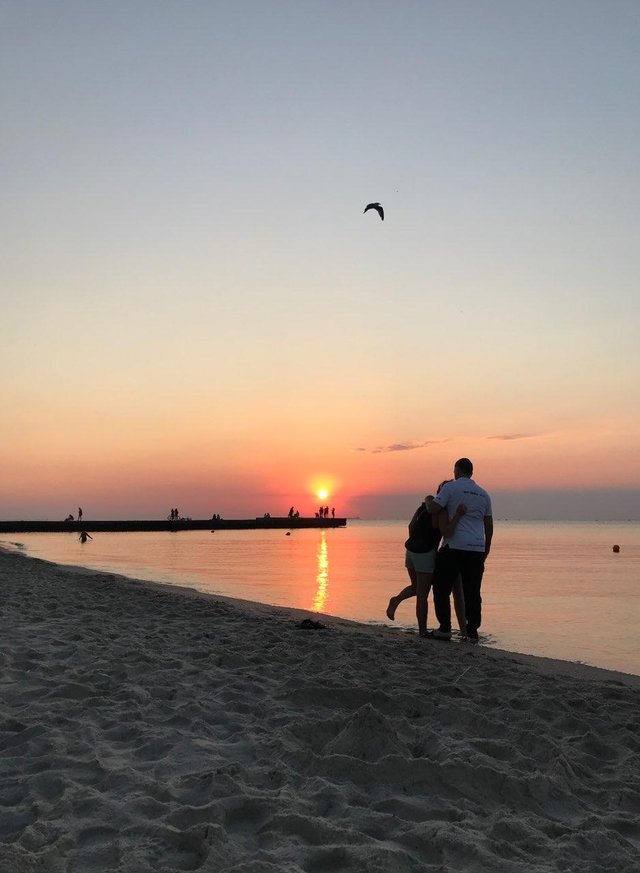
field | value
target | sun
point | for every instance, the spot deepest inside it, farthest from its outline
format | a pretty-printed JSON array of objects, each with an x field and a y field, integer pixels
[{"x": 323, "y": 493}]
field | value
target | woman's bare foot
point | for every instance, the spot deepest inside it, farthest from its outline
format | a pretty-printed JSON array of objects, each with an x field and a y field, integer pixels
[{"x": 391, "y": 609}]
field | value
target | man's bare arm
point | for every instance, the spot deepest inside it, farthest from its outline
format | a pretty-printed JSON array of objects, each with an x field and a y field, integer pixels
[
  {"x": 488, "y": 534},
  {"x": 448, "y": 525},
  {"x": 433, "y": 507}
]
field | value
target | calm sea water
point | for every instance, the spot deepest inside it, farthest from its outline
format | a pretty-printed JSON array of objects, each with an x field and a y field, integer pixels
[{"x": 551, "y": 589}]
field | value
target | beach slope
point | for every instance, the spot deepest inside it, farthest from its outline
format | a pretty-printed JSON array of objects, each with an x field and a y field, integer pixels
[{"x": 146, "y": 729}]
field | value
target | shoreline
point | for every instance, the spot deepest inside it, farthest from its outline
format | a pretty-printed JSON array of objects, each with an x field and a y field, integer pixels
[
  {"x": 152, "y": 727},
  {"x": 577, "y": 669}
]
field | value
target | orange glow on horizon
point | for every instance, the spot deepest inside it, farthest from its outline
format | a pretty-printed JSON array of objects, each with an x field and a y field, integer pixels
[{"x": 323, "y": 486}]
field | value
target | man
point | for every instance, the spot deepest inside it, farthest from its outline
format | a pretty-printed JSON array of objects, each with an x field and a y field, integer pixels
[{"x": 465, "y": 551}]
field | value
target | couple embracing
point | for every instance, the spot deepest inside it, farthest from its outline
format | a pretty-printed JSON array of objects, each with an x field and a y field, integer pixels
[{"x": 460, "y": 515}]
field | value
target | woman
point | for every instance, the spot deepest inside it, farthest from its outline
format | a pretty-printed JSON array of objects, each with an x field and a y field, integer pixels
[{"x": 425, "y": 532}]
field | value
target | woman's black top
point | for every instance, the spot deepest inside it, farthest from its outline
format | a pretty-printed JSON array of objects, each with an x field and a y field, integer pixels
[{"x": 423, "y": 536}]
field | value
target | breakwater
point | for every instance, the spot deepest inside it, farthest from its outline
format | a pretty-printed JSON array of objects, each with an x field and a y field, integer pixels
[{"x": 128, "y": 526}]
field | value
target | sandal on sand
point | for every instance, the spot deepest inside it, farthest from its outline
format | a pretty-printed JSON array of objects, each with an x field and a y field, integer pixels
[{"x": 310, "y": 624}]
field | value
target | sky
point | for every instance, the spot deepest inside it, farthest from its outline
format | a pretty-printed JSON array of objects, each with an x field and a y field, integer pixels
[{"x": 197, "y": 313}]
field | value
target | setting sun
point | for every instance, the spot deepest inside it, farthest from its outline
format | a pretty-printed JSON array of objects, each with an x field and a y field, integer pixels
[{"x": 323, "y": 493}]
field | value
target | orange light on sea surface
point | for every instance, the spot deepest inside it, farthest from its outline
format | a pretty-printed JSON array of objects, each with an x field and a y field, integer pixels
[{"x": 322, "y": 577}]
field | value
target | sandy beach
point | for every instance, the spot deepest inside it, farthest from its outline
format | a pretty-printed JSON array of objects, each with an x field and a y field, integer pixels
[{"x": 146, "y": 728}]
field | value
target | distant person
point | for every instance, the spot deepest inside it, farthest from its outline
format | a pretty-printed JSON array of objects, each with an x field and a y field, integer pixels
[
  {"x": 464, "y": 551},
  {"x": 79, "y": 513},
  {"x": 291, "y": 512},
  {"x": 333, "y": 512},
  {"x": 69, "y": 517},
  {"x": 84, "y": 536},
  {"x": 425, "y": 532},
  {"x": 326, "y": 512}
]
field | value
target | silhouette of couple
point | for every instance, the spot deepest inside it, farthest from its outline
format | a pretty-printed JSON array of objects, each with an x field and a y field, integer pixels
[{"x": 460, "y": 515}]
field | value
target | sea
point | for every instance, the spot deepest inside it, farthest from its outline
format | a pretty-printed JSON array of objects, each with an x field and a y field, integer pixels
[{"x": 554, "y": 589}]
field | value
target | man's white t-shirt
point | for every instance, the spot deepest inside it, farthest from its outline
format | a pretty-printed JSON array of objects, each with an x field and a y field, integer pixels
[{"x": 469, "y": 532}]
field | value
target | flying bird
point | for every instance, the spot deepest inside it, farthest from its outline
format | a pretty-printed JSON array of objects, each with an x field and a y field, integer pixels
[{"x": 377, "y": 208}]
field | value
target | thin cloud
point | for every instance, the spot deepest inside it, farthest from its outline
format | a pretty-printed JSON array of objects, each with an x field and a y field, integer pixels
[
  {"x": 402, "y": 447},
  {"x": 513, "y": 436}
]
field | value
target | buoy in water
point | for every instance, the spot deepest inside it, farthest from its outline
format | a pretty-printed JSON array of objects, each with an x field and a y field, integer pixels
[{"x": 616, "y": 549}]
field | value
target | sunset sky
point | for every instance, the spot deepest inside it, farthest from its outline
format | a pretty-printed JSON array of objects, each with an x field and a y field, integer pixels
[{"x": 197, "y": 313}]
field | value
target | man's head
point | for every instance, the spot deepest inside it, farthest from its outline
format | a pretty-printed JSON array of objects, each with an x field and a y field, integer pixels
[{"x": 463, "y": 468}]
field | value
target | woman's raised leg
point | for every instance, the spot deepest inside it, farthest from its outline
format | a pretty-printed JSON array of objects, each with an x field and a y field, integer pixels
[{"x": 409, "y": 591}]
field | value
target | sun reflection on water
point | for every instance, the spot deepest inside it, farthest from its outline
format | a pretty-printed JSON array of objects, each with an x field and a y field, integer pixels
[{"x": 322, "y": 576}]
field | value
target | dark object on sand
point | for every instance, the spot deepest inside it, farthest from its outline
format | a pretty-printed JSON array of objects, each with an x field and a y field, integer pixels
[
  {"x": 310, "y": 624},
  {"x": 616, "y": 549},
  {"x": 377, "y": 208}
]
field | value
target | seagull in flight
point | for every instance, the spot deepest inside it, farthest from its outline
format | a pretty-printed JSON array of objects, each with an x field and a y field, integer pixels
[{"x": 377, "y": 208}]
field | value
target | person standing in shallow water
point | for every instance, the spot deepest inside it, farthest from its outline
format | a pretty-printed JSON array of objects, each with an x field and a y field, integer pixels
[
  {"x": 425, "y": 531},
  {"x": 465, "y": 551}
]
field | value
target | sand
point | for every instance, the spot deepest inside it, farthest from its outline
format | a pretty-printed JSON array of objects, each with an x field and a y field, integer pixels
[{"x": 146, "y": 728}]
